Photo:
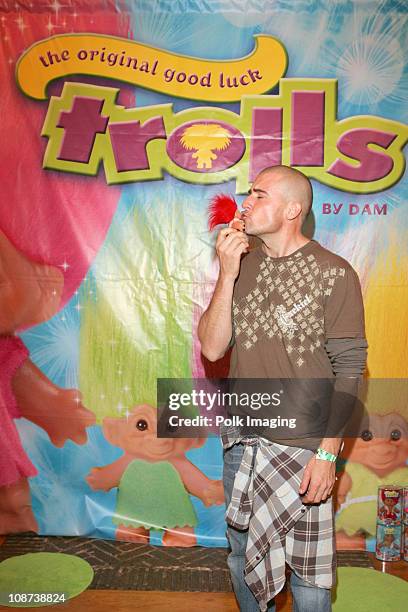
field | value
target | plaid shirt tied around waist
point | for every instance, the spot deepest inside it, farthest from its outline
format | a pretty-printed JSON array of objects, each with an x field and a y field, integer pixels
[{"x": 265, "y": 500}]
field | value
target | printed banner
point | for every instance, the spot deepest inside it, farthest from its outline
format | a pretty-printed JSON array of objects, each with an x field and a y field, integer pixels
[
  {"x": 137, "y": 64},
  {"x": 121, "y": 121}
]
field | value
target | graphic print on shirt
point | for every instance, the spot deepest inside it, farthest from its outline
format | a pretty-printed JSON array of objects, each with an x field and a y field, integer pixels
[
  {"x": 285, "y": 317},
  {"x": 287, "y": 302}
]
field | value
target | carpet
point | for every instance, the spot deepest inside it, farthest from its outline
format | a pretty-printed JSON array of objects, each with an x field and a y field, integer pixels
[{"x": 125, "y": 565}]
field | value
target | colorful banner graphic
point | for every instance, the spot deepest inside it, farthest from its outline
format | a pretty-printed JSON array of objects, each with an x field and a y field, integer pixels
[
  {"x": 121, "y": 120},
  {"x": 137, "y": 64}
]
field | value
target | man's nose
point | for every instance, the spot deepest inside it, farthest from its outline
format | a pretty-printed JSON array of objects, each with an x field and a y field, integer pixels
[{"x": 247, "y": 202}]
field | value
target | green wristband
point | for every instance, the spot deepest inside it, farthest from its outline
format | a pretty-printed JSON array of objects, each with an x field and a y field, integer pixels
[{"x": 325, "y": 455}]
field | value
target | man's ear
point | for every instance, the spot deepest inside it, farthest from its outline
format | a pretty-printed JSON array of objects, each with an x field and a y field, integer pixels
[{"x": 293, "y": 210}]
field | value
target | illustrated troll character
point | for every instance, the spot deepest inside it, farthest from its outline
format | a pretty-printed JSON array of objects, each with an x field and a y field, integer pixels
[
  {"x": 29, "y": 294},
  {"x": 377, "y": 457},
  {"x": 154, "y": 478}
]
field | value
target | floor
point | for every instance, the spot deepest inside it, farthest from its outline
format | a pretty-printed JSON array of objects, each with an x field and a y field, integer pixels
[{"x": 155, "y": 601}]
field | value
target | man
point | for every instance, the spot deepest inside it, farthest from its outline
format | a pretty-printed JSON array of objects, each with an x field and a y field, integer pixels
[{"x": 290, "y": 309}]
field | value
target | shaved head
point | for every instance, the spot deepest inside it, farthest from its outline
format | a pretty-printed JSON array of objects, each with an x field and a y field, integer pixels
[{"x": 293, "y": 185}]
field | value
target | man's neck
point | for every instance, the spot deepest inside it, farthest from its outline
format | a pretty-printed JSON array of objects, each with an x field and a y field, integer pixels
[{"x": 281, "y": 246}]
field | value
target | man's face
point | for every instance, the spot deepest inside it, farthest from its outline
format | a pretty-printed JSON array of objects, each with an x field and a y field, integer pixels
[{"x": 264, "y": 207}]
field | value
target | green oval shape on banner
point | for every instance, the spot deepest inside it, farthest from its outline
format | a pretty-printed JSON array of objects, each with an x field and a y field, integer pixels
[{"x": 34, "y": 573}]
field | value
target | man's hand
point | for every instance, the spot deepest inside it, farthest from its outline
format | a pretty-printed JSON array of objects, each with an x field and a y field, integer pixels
[
  {"x": 231, "y": 244},
  {"x": 215, "y": 326},
  {"x": 318, "y": 480}
]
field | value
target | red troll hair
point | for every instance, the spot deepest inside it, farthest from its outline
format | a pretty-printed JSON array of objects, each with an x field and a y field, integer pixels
[{"x": 221, "y": 210}]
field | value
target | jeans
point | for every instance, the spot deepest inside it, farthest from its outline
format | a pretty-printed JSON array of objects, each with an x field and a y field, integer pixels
[{"x": 306, "y": 597}]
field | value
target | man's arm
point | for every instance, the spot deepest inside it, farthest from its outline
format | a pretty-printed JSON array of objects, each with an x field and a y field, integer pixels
[
  {"x": 348, "y": 358},
  {"x": 346, "y": 347},
  {"x": 215, "y": 326}
]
